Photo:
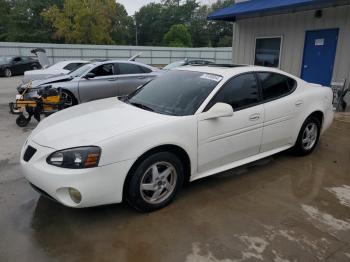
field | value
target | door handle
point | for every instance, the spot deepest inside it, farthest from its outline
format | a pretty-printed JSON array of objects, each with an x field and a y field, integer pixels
[
  {"x": 254, "y": 117},
  {"x": 112, "y": 79},
  {"x": 141, "y": 77},
  {"x": 299, "y": 103}
]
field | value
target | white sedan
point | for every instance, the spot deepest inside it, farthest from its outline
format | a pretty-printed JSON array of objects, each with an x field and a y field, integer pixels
[
  {"x": 190, "y": 123},
  {"x": 60, "y": 68}
]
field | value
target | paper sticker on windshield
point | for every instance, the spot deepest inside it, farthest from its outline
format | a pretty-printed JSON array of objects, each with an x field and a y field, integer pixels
[{"x": 211, "y": 77}]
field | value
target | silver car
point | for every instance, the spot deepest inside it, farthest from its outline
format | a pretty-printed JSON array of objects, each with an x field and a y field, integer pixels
[{"x": 98, "y": 80}]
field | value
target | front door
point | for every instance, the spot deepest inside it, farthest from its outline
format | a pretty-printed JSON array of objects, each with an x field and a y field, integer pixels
[
  {"x": 319, "y": 55},
  {"x": 228, "y": 139},
  {"x": 103, "y": 85}
]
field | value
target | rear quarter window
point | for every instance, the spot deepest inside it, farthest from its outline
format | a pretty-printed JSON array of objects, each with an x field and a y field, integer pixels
[{"x": 275, "y": 85}]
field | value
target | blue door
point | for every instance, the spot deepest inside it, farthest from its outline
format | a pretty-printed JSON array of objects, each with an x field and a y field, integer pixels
[{"x": 319, "y": 55}]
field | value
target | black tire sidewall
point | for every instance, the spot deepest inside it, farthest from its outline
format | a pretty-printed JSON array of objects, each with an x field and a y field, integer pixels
[
  {"x": 68, "y": 94},
  {"x": 299, "y": 148},
  {"x": 133, "y": 195}
]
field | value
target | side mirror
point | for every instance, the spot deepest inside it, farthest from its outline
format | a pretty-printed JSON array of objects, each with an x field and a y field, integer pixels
[
  {"x": 89, "y": 75},
  {"x": 217, "y": 110}
]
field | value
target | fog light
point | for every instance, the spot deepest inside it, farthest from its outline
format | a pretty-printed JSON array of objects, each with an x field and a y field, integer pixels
[{"x": 74, "y": 195}]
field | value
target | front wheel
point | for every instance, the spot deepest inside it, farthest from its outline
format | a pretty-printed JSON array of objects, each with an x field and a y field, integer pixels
[
  {"x": 155, "y": 182},
  {"x": 308, "y": 136},
  {"x": 8, "y": 72},
  {"x": 68, "y": 98},
  {"x": 22, "y": 121}
]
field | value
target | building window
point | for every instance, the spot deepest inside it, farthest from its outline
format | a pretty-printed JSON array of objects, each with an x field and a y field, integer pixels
[{"x": 267, "y": 51}]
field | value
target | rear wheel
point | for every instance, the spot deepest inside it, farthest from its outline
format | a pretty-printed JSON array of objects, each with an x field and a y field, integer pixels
[
  {"x": 308, "y": 136},
  {"x": 155, "y": 182}
]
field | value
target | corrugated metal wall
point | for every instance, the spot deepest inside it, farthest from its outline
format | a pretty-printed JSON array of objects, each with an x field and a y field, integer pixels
[
  {"x": 292, "y": 28},
  {"x": 150, "y": 54}
]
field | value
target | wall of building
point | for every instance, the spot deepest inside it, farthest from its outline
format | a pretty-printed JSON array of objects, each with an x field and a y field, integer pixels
[
  {"x": 150, "y": 54},
  {"x": 292, "y": 28}
]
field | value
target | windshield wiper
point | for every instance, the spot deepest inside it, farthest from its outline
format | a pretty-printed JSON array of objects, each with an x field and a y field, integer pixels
[{"x": 142, "y": 106}]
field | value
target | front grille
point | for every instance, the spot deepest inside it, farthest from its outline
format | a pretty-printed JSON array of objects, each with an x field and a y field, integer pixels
[{"x": 29, "y": 153}]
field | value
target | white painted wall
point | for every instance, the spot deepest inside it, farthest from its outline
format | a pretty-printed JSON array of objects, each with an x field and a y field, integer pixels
[{"x": 292, "y": 28}]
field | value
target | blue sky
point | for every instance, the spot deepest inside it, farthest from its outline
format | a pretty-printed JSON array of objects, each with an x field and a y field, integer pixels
[{"x": 134, "y": 5}]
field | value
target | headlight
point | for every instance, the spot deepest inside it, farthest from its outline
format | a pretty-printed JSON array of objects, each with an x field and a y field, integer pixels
[{"x": 79, "y": 157}]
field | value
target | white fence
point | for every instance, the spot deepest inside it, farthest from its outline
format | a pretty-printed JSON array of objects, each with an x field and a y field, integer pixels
[{"x": 150, "y": 54}]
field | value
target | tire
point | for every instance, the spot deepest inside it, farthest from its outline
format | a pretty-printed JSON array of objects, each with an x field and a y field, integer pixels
[
  {"x": 147, "y": 189},
  {"x": 69, "y": 99},
  {"x": 308, "y": 137},
  {"x": 8, "y": 72},
  {"x": 22, "y": 121}
]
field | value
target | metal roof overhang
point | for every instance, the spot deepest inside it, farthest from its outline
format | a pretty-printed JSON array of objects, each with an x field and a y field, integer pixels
[{"x": 258, "y": 8}]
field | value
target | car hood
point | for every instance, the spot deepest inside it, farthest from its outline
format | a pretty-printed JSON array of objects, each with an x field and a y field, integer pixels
[
  {"x": 51, "y": 80},
  {"x": 90, "y": 123}
]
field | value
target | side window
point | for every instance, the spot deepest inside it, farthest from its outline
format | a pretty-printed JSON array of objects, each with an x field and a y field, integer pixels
[
  {"x": 72, "y": 66},
  {"x": 240, "y": 92},
  {"x": 275, "y": 85},
  {"x": 17, "y": 59},
  {"x": 103, "y": 70},
  {"x": 126, "y": 69},
  {"x": 145, "y": 69}
]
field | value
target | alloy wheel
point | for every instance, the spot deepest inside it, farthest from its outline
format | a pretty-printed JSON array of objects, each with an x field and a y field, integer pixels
[
  {"x": 8, "y": 72},
  {"x": 68, "y": 99},
  {"x": 309, "y": 136},
  {"x": 158, "y": 182}
]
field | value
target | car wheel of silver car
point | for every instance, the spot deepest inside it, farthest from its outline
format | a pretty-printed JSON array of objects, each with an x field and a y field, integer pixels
[
  {"x": 155, "y": 182},
  {"x": 308, "y": 136},
  {"x": 68, "y": 98},
  {"x": 8, "y": 72}
]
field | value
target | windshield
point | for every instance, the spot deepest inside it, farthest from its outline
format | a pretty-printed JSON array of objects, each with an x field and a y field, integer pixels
[
  {"x": 174, "y": 65},
  {"x": 5, "y": 60},
  {"x": 81, "y": 70},
  {"x": 176, "y": 92}
]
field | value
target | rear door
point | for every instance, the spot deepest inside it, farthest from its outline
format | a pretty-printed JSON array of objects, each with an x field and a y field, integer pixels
[
  {"x": 131, "y": 76},
  {"x": 103, "y": 85},
  {"x": 228, "y": 139},
  {"x": 280, "y": 108}
]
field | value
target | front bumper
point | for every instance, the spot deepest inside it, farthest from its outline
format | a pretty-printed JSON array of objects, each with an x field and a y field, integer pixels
[{"x": 97, "y": 186}]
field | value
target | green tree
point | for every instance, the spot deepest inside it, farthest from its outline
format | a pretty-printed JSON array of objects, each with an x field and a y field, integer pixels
[
  {"x": 149, "y": 24},
  {"x": 219, "y": 31},
  {"x": 198, "y": 27},
  {"x": 122, "y": 26},
  {"x": 178, "y": 36},
  {"x": 24, "y": 23},
  {"x": 4, "y": 13},
  {"x": 83, "y": 21}
]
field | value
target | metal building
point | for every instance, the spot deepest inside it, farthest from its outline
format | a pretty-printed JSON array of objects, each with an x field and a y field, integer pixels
[{"x": 307, "y": 38}]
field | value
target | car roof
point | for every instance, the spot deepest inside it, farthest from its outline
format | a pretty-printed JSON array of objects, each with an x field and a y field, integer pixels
[
  {"x": 122, "y": 61},
  {"x": 72, "y": 61},
  {"x": 229, "y": 70}
]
